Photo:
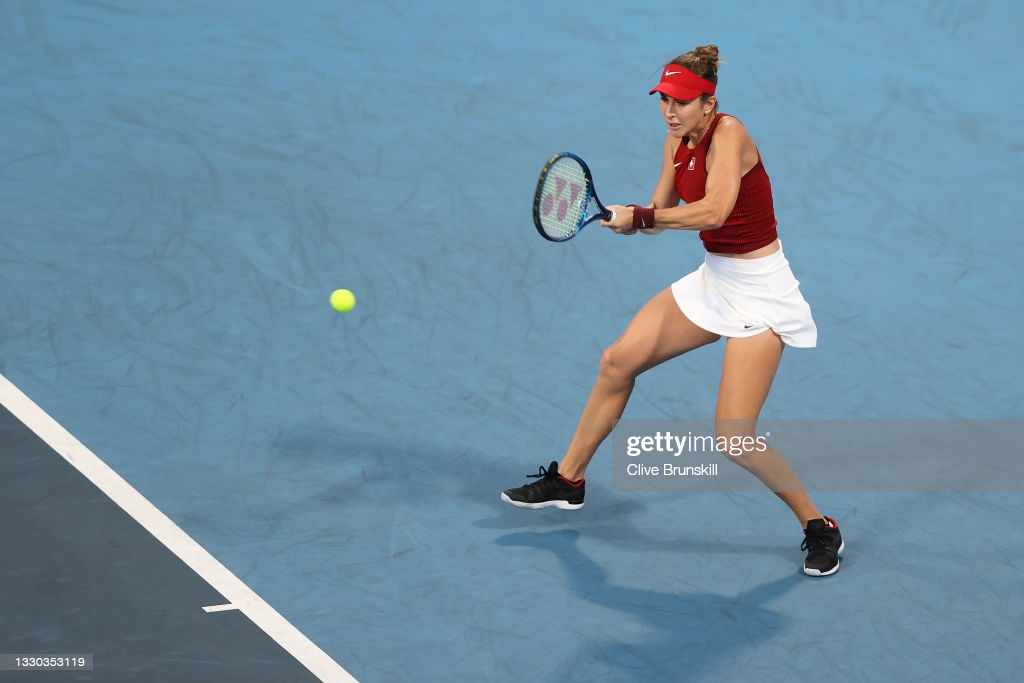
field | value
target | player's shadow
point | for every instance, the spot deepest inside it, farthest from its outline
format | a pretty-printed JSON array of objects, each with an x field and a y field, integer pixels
[
  {"x": 682, "y": 634},
  {"x": 610, "y": 522}
]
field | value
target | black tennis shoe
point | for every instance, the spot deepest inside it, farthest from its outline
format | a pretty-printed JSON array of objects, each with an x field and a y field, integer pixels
[
  {"x": 550, "y": 490},
  {"x": 824, "y": 544}
]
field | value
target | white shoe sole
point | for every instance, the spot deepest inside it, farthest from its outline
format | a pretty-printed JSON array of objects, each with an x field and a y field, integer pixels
[
  {"x": 830, "y": 572},
  {"x": 560, "y": 504}
]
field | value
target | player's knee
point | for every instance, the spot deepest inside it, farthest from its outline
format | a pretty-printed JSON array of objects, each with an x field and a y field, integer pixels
[
  {"x": 737, "y": 440},
  {"x": 617, "y": 366}
]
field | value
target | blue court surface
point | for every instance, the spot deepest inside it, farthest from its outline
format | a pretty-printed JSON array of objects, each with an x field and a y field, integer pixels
[{"x": 187, "y": 422}]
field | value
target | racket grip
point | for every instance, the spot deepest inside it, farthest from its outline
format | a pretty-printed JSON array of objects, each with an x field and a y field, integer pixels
[{"x": 611, "y": 216}]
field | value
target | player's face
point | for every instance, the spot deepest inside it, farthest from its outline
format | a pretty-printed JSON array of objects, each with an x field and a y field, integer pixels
[{"x": 682, "y": 117}]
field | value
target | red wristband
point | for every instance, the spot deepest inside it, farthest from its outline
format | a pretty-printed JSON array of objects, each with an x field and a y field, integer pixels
[{"x": 642, "y": 218}]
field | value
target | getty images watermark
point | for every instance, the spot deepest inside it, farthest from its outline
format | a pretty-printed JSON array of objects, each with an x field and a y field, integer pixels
[
  {"x": 825, "y": 455},
  {"x": 675, "y": 445}
]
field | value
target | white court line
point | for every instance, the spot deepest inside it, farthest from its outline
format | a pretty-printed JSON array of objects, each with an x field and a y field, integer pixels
[
  {"x": 219, "y": 608},
  {"x": 167, "y": 532}
]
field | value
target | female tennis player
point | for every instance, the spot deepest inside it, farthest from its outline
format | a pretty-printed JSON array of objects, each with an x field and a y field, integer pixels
[{"x": 744, "y": 291}]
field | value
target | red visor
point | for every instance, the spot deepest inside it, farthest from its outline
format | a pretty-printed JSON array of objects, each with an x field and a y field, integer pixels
[{"x": 682, "y": 84}]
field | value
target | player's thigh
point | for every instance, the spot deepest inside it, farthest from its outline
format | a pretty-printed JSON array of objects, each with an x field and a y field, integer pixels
[
  {"x": 748, "y": 369},
  {"x": 657, "y": 333}
]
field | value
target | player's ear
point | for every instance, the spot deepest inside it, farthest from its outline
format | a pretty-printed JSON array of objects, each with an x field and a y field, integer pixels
[{"x": 710, "y": 103}]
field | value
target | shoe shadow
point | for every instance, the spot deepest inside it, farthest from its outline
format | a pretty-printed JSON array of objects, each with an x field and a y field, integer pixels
[{"x": 682, "y": 634}]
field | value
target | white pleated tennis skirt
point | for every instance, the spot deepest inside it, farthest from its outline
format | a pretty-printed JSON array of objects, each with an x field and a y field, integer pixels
[{"x": 735, "y": 297}]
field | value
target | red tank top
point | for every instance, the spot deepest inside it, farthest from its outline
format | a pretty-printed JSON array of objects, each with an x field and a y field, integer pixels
[{"x": 752, "y": 224}]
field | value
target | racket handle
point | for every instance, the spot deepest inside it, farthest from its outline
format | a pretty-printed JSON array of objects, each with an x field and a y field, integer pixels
[{"x": 611, "y": 216}]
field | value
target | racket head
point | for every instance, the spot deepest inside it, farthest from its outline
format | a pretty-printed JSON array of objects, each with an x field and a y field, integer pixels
[{"x": 565, "y": 199}]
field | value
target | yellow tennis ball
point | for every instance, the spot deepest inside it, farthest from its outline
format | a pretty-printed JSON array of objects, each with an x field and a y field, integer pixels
[{"x": 343, "y": 300}]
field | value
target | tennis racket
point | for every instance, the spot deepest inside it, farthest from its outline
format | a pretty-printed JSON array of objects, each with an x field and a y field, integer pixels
[{"x": 565, "y": 200}]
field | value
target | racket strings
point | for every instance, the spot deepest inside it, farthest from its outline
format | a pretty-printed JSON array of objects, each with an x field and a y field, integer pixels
[{"x": 565, "y": 197}]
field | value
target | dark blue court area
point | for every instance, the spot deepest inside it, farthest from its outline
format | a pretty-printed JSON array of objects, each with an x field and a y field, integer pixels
[{"x": 186, "y": 423}]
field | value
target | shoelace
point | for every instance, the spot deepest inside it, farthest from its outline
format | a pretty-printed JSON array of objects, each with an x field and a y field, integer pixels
[
  {"x": 541, "y": 472},
  {"x": 815, "y": 542}
]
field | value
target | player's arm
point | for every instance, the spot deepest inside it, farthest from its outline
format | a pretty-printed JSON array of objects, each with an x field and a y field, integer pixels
[
  {"x": 725, "y": 171},
  {"x": 665, "y": 195},
  {"x": 732, "y": 148}
]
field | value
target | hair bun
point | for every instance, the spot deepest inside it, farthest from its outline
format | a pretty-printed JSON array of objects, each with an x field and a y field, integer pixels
[{"x": 708, "y": 52}]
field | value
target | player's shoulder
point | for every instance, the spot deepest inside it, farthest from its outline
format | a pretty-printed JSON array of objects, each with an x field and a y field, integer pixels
[
  {"x": 732, "y": 127},
  {"x": 730, "y": 122}
]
